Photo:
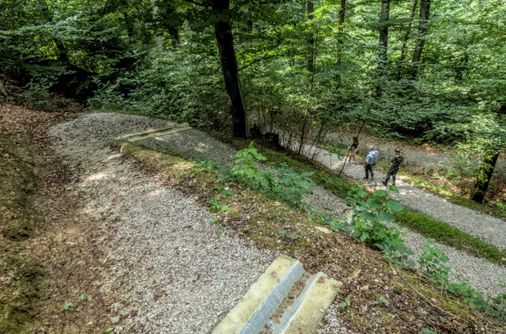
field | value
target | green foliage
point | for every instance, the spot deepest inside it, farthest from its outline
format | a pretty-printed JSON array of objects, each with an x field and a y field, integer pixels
[
  {"x": 372, "y": 214},
  {"x": 283, "y": 183},
  {"x": 37, "y": 95},
  {"x": 345, "y": 303},
  {"x": 69, "y": 307},
  {"x": 495, "y": 308},
  {"x": 246, "y": 168},
  {"x": 434, "y": 263},
  {"x": 449, "y": 235},
  {"x": 382, "y": 300}
]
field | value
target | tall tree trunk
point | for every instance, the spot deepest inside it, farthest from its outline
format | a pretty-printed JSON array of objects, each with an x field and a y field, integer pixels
[
  {"x": 174, "y": 35},
  {"x": 225, "y": 41},
  {"x": 311, "y": 43},
  {"x": 405, "y": 39},
  {"x": 484, "y": 176},
  {"x": 340, "y": 38},
  {"x": 383, "y": 43},
  {"x": 158, "y": 37},
  {"x": 423, "y": 26}
]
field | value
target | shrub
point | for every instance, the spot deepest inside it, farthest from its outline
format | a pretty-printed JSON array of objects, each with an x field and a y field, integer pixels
[
  {"x": 434, "y": 263},
  {"x": 372, "y": 212},
  {"x": 283, "y": 184}
]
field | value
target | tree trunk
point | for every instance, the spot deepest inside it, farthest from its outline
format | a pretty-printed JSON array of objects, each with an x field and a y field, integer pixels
[
  {"x": 484, "y": 176},
  {"x": 405, "y": 39},
  {"x": 2, "y": 89},
  {"x": 158, "y": 37},
  {"x": 340, "y": 38},
  {"x": 174, "y": 35},
  {"x": 310, "y": 41},
  {"x": 225, "y": 41},
  {"x": 383, "y": 42},
  {"x": 423, "y": 26}
]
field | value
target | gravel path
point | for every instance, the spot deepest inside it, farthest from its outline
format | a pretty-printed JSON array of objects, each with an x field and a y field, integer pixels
[
  {"x": 483, "y": 226},
  {"x": 169, "y": 270},
  {"x": 429, "y": 158},
  {"x": 486, "y": 277},
  {"x": 481, "y": 274},
  {"x": 419, "y": 156}
]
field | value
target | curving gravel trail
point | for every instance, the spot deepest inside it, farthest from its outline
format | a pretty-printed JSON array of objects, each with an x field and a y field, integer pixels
[
  {"x": 167, "y": 269},
  {"x": 483, "y": 226},
  {"x": 486, "y": 277}
]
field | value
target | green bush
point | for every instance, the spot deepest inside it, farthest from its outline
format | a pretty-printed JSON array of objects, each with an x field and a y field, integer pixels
[
  {"x": 434, "y": 263},
  {"x": 283, "y": 183},
  {"x": 372, "y": 212}
]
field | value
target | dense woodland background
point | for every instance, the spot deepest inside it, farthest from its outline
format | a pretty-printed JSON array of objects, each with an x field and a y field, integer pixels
[{"x": 423, "y": 70}]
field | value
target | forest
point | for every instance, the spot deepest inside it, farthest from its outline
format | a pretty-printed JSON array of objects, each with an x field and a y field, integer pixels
[
  {"x": 420, "y": 70},
  {"x": 278, "y": 79}
]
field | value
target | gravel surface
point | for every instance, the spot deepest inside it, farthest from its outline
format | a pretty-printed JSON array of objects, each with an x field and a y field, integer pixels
[
  {"x": 168, "y": 269},
  {"x": 420, "y": 156},
  {"x": 486, "y": 277},
  {"x": 411, "y": 155},
  {"x": 324, "y": 201},
  {"x": 483, "y": 226}
]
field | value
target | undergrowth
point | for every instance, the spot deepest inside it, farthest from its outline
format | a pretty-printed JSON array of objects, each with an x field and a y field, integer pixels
[
  {"x": 275, "y": 225},
  {"x": 419, "y": 222}
]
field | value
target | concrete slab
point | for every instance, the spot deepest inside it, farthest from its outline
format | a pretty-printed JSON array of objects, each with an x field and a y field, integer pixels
[
  {"x": 257, "y": 306},
  {"x": 309, "y": 308}
]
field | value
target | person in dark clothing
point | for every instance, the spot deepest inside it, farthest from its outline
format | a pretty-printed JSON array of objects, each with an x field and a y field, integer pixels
[
  {"x": 394, "y": 168},
  {"x": 353, "y": 150}
]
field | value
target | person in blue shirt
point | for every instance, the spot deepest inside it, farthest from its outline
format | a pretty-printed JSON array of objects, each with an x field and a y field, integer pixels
[{"x": 370, "y": 160}]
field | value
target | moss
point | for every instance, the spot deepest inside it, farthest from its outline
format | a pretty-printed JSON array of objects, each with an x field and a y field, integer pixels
[
  {"x": 449, "y": 235},
  {"x": 20, "y": 284}
]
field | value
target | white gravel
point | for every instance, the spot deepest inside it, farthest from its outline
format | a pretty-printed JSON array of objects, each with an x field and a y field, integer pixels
[
  {"x": 169, "y": 269},
  {"x": 483, "y": 226},
  {"x": 324, "y": 201},
  {"x": 192, "y": 144},
  {"x": 486, "y": 277}
]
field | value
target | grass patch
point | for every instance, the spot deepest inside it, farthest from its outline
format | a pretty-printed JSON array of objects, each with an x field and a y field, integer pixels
[{"x": 449, "y": 235}]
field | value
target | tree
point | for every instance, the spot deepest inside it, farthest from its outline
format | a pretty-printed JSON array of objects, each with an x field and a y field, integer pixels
[
  {"x": 225, "y": 40},
  {"x": 383, "y": 43},
  {"x": 405, "y": 39},
  {"x": 423, "y": 26}
]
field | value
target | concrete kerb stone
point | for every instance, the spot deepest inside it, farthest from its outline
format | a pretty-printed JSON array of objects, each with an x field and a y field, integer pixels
[
  {"x": 170, "y": 128},
  {"x": 304, "y": 315},
  {"x": 262, "y": 299}
]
